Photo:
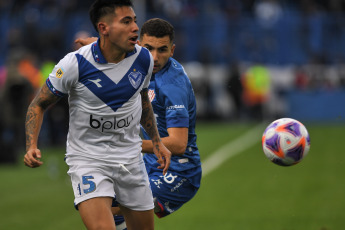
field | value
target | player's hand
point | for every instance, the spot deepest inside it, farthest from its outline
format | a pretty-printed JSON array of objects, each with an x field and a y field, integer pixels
[
  {"x": 163, "y": 155},
  {"x": 32, "y": 158},
  {"x": 85, "y": 41}
]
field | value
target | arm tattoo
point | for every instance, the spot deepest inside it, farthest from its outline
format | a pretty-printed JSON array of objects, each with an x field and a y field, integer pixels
[
  {"x": 148, "y": 120},
  {"x": 34, "y": 116}
]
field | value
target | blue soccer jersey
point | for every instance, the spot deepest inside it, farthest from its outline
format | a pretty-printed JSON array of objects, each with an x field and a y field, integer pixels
[{"x": 174, "y": 105}]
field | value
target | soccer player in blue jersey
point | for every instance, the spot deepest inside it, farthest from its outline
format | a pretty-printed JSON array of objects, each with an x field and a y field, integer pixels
[
  {"x": 173, "y": 101},
  {"x": 107, "y": 84}
]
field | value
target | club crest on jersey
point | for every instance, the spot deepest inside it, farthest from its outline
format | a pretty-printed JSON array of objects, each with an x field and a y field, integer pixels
[
  {"x": 151, "y": 94},
  {"x": 59, "y": 73},
  {"x": 135, "y": 78}
]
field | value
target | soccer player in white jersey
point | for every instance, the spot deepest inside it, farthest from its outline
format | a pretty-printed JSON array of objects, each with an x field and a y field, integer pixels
[
  {"x": 108, "y": 100},
  {"x": 174, "y": 105}
]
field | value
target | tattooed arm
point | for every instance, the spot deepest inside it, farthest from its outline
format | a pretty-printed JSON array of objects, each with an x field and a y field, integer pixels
[
  {"x": 148, "y": 121},
  {"x": 34, "y": 118}
]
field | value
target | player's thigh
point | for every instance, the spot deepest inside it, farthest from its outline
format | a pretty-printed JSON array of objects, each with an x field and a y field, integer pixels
[
  {"x": 133, "y": 188},
  {"x": 143, "y": 220},
  {"x": 90, "y": 180},
  {"x": 96, "y": 213}
]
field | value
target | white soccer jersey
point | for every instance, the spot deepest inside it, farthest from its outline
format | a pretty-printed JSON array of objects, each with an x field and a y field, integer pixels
[{"x": 104, "y": 102}]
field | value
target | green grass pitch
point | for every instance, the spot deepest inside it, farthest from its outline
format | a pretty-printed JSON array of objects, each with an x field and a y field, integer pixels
[{"x": 246, "y": 192}]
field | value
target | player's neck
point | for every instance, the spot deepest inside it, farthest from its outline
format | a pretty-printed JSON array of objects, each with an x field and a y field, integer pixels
[{"x": 111, "y": 53}]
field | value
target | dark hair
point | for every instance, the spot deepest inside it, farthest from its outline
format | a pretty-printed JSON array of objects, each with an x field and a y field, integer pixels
[
  {"x": 159, "y": 28},
  {"x": 101, "y": 8}
]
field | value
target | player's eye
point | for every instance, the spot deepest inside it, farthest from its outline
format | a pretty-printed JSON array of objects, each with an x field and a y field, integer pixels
[
  {"x": 163, "y": 50},
  {"x": 127, "y": 20},
  {"x": 149, "y": 48}
]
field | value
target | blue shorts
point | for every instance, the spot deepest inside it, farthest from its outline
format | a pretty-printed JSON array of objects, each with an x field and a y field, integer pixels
[{"x": 170, "y": 192}]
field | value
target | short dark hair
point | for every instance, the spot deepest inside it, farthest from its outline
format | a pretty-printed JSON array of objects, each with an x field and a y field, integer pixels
[
  {"x": 101, "y": 8},
  {"x": 159, "y": 28}
]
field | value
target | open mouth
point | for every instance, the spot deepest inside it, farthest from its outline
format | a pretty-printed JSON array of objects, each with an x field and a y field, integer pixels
[
  {"x": 156, "y": 68},
  {"x": 133, "y": 39}
]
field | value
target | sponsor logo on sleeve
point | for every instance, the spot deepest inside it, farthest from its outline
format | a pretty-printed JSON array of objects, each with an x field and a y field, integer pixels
[
  {"x": 175, "y": 107},
  {"x": 59, "y": 73}
]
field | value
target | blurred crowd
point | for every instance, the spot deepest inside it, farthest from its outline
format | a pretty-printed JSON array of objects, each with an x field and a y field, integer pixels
[
  {"x": 271, "y": 31},
  {"x": 228, "y": 47}
]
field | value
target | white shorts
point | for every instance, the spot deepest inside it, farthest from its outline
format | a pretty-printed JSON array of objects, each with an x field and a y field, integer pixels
[{"x": 128, "y": 183}]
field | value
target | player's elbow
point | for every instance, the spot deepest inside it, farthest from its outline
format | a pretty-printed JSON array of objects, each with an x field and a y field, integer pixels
[{"x": 180, "y": 149}]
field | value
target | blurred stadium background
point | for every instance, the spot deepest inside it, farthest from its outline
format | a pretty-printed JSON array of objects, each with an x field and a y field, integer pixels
[{"x": 250, "y": 62}]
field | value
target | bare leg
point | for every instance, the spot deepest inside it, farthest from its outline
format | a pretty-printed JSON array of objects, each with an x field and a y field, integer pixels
[
  {"x": 138, "y": 220},
  {"x": 116, "y": 211},
  {"x": 96, "y": 213}
]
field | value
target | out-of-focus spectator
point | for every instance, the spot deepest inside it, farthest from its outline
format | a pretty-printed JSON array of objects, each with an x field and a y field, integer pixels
[
  {"x": 256, "y": 87},
  {"x": 28, "y": 69},
  {"x": 302, "y": 79},
  {"x": 235, "y": 88},
  {"x": 15, "y": 97}
]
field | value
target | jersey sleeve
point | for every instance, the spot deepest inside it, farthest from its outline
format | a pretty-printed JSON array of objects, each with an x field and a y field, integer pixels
[
  {"x": 64, "y": 75},
  {"x": 176, "y": 106}
]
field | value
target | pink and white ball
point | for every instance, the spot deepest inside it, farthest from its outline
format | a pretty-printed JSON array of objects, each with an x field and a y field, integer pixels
[{"x": 286, "y": 142}]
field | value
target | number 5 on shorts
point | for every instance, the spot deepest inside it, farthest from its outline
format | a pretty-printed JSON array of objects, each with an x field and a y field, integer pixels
[{"x": 87, "y": 181}]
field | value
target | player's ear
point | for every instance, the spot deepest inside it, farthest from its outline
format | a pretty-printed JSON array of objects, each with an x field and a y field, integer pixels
[
  {"x": 172, "y": 50},
  {"x": 102, "y": 28},
  {"x": 138, "y": 42}
]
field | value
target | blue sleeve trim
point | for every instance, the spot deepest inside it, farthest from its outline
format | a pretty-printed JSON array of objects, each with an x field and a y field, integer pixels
[{"x": 53, "y": 90}]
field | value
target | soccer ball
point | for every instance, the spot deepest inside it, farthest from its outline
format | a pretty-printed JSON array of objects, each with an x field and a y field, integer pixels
[{"x": 286, "y": 142}]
